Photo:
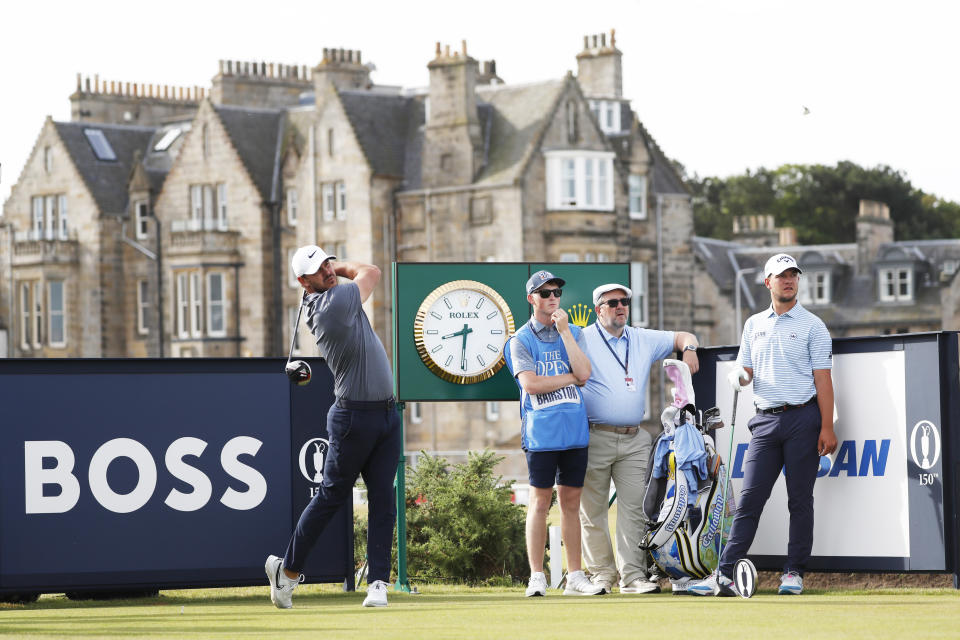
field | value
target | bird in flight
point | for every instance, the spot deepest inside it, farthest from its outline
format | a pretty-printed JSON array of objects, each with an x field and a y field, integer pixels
[{"x": 806, "y": 111}]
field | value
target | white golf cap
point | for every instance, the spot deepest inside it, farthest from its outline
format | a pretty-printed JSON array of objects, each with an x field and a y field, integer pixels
[
  {"x": 604, "y": 288},
  {"x": 307, "y": 260},
  {"x": 778, "y": 264}
]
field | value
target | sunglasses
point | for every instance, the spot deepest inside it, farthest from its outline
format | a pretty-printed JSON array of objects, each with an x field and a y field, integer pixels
[
  {"x": 613, "y": 302},
  {"x": 546, "y": 293}
]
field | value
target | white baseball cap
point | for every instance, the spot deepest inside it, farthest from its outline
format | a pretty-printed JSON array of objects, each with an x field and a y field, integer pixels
[
  {"x": 307, "y": 260},
  {"x": 778, "y": 264},
  {"x": 604, "y": 288}
]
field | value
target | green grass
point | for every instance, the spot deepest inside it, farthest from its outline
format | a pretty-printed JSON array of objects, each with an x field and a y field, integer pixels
[{"x": 324, "y": 611}]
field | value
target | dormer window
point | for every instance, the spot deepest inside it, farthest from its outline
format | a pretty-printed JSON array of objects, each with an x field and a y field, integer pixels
[
  {"x": 896, "y": 284},
  {"x": 580, "y": 180},
  {"x": 607, "y": 113},
  {"x": 815, "y": 288}
]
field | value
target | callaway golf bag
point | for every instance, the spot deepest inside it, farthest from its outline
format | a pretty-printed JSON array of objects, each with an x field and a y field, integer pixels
[{"x": 687, "y": 520}]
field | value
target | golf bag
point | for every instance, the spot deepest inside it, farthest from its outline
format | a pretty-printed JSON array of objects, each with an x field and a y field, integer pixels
[{"x": 687, "y": 520}]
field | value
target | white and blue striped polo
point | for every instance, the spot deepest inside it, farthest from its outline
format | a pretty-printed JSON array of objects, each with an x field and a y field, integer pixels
[{"x": 783, "y": 352}]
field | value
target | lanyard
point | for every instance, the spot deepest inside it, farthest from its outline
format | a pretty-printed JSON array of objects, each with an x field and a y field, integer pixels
[{"x": 626, "y": 365}]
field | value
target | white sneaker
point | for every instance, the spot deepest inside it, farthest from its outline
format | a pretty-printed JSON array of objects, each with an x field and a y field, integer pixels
[
  {"x": 715, "y": 584},
  {"x": 579, "y": 585},
  {"x": 791, "y": 583},
  {"x": 679, "y": 586},
  {"x": 640, "y": 585},
  {"x": 281, "y": 587},
  {"x": 537, "y": 586},
  {"x": 604, "y": 581},
  {"x": 376, "y": 594}
]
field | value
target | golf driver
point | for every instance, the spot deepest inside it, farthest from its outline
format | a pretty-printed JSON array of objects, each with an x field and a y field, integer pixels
[
  {"x": 297, "y": 371},
  {"x": 744, "y": 572}
]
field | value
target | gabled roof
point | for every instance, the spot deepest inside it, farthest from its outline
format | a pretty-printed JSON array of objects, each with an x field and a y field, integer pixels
[
  {"x": 519, "y": 116},
  {"x": 106, "y": 180},
  {"x": 381, "y": 123},
  {"x": 257, "y": 135},
  {"x": 664, "y": 178}
]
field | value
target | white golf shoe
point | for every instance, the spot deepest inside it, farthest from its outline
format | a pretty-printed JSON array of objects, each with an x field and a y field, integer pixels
[
  {"x": 791, "y": 583},
  {"x": 716, "y": 584},
  {"x": 578, "y": 584},
  {"x": 537, "y": 586},
  {"x": 281, "y": 587},
  {"x": 376, "y": 594}
]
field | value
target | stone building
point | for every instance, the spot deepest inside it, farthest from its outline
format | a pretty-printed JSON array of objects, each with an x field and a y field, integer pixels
[
  {"x": 186, "y": 204},
  {"x": 876, "y": 285}
]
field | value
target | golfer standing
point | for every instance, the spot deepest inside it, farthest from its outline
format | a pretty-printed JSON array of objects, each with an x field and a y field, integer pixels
[
  {"x": 546, "y": 358},
  {"x": 363, "y": 425},
  {"x": 787, "y": 352}
]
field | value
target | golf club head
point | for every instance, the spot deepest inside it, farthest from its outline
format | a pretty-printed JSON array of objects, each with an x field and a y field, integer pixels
[
  {"x": 745, "y": 578},
  {"x": 299, "y": 372}
]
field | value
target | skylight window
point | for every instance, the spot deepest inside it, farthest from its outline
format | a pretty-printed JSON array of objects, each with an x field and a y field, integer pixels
[
  {"x": 164, "y": 143},
  {"x": 98, "y": 142}
]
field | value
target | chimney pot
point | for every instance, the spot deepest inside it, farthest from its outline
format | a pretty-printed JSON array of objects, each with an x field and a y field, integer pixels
[
  {"x": 586, "y": 42},
  {"x": 463, "y": 44},
  {"x": 446, "y": 50},
  {"x": 438, "y": 50},
  {"x": 96, "y": 83},
  {"x": 79, "y": 82},
  {"x": 349, "y": 55},
  {"x": 341, "y": 55},
  {"x": 127, "y": 92},
  {"x": 603, "y": 40},
  {"x": 135, "y": 89},
  {"x": 88, "y": 85},
  {"x": 613, "y": 38},
  {"x": 594, "y": 42},
  {"x": 358, "y": 56}
]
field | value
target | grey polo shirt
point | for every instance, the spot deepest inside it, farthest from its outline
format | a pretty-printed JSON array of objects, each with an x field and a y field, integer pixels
[{"x": 345, "y": 338}]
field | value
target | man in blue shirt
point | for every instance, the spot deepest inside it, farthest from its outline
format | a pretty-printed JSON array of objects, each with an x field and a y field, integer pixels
[
  {"x": 787, "y": 352},
  {"x": 615, "y": 394},
  {"x": 546, "y": 359}
]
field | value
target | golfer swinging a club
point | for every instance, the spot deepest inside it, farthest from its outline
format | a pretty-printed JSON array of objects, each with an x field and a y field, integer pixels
[
  {"x": 363, "y": 425},
  {"x": 787, "y": 352}
]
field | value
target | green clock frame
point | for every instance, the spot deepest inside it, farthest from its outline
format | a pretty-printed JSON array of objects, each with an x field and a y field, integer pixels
[{"x": 413, "y": 282}]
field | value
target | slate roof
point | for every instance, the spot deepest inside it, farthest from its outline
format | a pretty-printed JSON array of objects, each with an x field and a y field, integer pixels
[
  {"x": 257, "y": 135},
  {"x": 380, "y": 122},
  {"x": 854, "y": 299},
  {"x": 520, "y": 113},
  {"x": 106, "y": 180}
]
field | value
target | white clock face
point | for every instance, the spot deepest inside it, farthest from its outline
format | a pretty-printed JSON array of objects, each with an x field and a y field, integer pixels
[{"x": 461, "y": 329}]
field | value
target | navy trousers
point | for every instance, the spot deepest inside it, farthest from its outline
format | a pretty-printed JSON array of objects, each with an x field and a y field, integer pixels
[
  {"x": 785, "y": 441},
  {"x": 363, "y": 442}
]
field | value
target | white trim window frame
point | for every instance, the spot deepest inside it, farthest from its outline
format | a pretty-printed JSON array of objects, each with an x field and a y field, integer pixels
[
  {"x": 575, "y": 177},
  {"x": 416, "y": 412},
  {"x": 639, "y": 311},
  {"x": 143, "y": 306},
  {"x": 815, "y": 288},
  {"x": 196, "y": 205},
  {"x": 38, "y": 316},
  {"x": 341, "y": 191},
  {"x": 50, "y": 217},
  {"x": 37, "y": 226},
  {"x": 638, "y": 196},
  {"x": 62, "y": 215},
  {"x": 196, "y": 305},
  {"x": 56, "y": 316},
  {"x": 208, "y": 207},
  {"x": 26, "y": 322},
  {"x": 221, "y": 206},
  {"x": 140, "y": 219},
  {"x": 182, "y": 306},
  {"x": 895, "y": 284},
  {"x": 216, "y": 305},
  {"x": 292, "y": 206},
  {"x": 328, "y": 201}
]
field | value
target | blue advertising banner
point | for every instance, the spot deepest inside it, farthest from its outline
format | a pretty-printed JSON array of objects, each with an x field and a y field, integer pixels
[
  {"x": 884, "y": 500},
  {"x": 155, "y": 473}
]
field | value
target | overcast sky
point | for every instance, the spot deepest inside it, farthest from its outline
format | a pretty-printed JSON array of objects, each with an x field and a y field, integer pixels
[{"x": 722, "y": 86}]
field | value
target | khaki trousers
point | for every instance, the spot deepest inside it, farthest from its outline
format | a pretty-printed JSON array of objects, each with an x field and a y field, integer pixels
[{"x": 622, "y": 459}]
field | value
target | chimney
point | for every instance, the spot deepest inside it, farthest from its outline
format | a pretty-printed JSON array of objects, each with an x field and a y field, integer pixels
[
  {"x": 489, "y": 74},
  {"x": 874, "y": 228},
  {"x": 452, "y": 147},
  {"x": 756, "y": 231},
  {"x": 341, "y": 69},
  {"x": 599, "y": 67}
]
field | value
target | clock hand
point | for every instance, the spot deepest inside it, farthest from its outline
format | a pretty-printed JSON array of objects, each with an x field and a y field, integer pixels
[{"x": 463, "y": 350}]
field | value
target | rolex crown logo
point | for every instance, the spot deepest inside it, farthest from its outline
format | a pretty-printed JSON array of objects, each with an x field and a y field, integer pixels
[
  {"x": 464, "y": 301},
  {"x": 580, "y": 314}
]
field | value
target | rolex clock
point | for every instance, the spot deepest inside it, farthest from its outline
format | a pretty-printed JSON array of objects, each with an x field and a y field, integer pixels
[{"x": 460, "y": 330}]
